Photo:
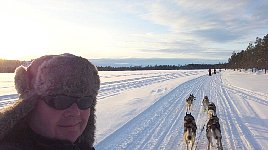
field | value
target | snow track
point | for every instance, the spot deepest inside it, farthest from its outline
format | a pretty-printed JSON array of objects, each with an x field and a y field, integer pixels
[
  {"x": 116, "y": 87},
  {"x": 8, "y": 99},
  {"x": 161, "y": 125}
]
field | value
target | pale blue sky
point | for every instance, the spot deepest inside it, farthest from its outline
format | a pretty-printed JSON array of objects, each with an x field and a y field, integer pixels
[{"x": 188, "y": 29}]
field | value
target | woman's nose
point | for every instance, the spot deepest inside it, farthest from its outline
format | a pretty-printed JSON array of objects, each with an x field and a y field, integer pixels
[{"x": 73, "y": 110}]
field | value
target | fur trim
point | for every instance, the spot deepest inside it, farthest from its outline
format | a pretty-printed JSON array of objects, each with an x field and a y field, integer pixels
[
  {"x": 12, "y": 114},
  {"x": 22, "y": 80}
]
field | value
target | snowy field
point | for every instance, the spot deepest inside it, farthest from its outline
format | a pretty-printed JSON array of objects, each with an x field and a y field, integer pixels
[{"x": 145, "y": 109}]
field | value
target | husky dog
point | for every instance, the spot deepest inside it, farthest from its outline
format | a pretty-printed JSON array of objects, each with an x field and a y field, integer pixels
[
  {"x": 205, "y": 103},
  {"x": 189, "y": 102},
  {"x": 189, "y": 130},
  {"x": 214, "y": 131},
  {"x": 211, "y": 109}
]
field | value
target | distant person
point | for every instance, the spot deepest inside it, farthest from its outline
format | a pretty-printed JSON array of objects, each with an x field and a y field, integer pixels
[
  {"x": 209, "y": 72},
  {"x": 214, "y": 71},
  {"x": 56, "y": 106}
]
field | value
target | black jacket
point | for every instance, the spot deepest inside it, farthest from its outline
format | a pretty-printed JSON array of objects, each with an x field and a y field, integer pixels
[{"x": 26, "y": 139}]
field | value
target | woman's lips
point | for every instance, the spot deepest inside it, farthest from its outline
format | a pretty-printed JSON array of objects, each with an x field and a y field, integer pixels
[{"x": 71, "y": 125}]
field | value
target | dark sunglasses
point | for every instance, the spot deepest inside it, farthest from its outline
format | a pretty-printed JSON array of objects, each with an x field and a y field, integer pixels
[{"x": 61, "y": 102}]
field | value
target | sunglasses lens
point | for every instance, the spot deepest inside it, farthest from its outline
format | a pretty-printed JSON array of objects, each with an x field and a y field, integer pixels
[
  {"x": 85, "y": 102},
  {"x": 59, "y": 102}
]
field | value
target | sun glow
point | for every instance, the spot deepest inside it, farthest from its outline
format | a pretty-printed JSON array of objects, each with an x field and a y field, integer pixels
[
  {"x": 25, "y": 38},
  {"x": 20, "y": 42},
  {"x": 32, "y": 38}
]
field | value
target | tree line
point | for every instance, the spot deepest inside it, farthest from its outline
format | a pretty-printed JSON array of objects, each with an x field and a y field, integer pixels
[
  {"x": 254, "y": 56},
  {"x": 163, "y": 67},
  {"x": 9, "y": 66}
]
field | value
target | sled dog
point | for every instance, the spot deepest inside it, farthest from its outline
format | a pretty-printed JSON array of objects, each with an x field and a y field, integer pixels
[
  {"x": 205, "y": 103},
  {"x": 189, "y": 102},
  {"x": 211, "y": 109},
  {"x": 213, "y": 132},
  {"x": 189, "y": 131}
]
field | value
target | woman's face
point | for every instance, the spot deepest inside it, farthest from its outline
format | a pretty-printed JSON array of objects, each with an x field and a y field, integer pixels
[{"x": 66, "y": 124}]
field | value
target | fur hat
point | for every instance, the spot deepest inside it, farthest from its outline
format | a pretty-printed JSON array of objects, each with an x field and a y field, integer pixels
[{"x": 49, "y": 75}]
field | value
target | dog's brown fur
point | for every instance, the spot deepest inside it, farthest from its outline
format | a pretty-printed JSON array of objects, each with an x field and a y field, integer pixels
[
  {"x": 205, "y": 103},
  {"x": 189, "y": 130},
  {"x": 189, "y": 102},
  {"x": 211, "y": 110}
]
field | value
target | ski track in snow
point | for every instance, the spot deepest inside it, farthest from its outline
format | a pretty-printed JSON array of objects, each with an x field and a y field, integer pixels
[
  {"x": 8, "y": 99},
  {"x": 161, "y": 125},
  {"x": 112, "y": 88}
]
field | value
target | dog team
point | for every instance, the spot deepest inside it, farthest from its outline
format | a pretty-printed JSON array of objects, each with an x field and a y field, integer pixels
[{"x": 213, "y": 131}]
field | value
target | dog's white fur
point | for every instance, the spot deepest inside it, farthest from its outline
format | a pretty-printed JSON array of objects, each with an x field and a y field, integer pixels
[
  {"x": 215, "y": 133},
  {"x": 189, "y": 138},
  {"x": 205, "y": 103},
  {"x": 211, "y": 110},
  {"x": 211, "y": 113}
]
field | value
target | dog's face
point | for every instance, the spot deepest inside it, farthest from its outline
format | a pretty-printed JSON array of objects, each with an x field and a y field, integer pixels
[
  {"x": 205, "y": 101},
  {"x": 191, "y": 96},
  {"x": 188, "y": 118}
]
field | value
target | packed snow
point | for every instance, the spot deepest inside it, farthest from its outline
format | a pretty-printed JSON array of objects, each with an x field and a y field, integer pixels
[{"x": 145, "y": 109}]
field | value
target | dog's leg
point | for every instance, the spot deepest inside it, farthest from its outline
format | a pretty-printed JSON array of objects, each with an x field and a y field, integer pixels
[
  {"x": 190, "y": 145},
  {"x": 193, "y": 141},
  {"x": 190, "y": 107},
  {"x": 186, "y": 140},
  {"x": 218, "y": 137},
  {"x": 219, "y": 144},
  {"x": 209, "y": 140}
]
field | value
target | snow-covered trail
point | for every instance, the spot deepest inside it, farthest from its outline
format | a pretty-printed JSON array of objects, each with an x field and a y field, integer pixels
[{"x": 161, "y": 125}]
